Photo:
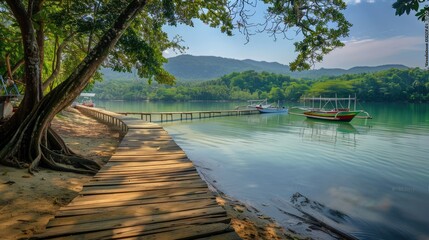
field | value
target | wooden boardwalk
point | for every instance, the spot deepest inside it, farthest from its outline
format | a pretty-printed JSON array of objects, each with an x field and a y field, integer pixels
[
  {"x": 148, "y": 190},
  {"x": 190, "y": 115}
]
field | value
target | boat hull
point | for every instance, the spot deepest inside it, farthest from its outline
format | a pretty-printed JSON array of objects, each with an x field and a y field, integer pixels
[
  {"x": 272, "y": 110},
  {"x": 345, "y": 116}
]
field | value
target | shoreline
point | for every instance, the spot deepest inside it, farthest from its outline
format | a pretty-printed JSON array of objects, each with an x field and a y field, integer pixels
[{"x": 29, "y": 201}]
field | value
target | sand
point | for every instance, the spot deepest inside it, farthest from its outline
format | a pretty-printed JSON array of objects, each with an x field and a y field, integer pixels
[{"x": 28, "y": 201}]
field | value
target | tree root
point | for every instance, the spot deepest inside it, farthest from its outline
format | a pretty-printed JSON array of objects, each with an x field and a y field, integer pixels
[
  {"x": 70, "y": 163},
  {"x": 56, "y": 143}
]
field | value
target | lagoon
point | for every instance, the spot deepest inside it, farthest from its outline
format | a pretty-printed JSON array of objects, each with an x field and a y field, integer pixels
[{"x": 375, "y": 172}]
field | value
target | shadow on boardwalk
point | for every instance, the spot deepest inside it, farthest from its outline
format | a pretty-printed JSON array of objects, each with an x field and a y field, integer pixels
[{"x": 149, "y": 189}]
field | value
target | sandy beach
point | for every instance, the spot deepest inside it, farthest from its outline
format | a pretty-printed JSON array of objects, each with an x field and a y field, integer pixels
[{"x": 28, "y": 201}]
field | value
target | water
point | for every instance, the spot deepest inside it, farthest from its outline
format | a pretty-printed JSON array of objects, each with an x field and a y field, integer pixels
[{"x": 376, "y": 172}]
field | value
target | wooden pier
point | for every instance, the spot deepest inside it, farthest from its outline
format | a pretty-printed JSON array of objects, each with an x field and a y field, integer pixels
[
  {"x": 189, "y": 115},
  {"x": 149, "y": 189}
]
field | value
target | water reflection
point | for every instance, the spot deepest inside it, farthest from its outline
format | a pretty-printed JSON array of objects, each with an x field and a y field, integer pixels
[
  {"x": 375, "y": 171},
  {"x": 328, "y": 132}
]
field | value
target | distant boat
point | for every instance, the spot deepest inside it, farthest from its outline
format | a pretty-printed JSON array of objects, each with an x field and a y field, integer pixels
[
  {"x": 341, "y": 114},
  {"x": 258, "y": 104},
  {"x": 87, "y": 101},
  {"x": 271, "y": 109}
]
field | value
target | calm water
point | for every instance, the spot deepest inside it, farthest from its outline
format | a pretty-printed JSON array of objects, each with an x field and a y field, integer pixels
[{"x": 375, "y": 172}]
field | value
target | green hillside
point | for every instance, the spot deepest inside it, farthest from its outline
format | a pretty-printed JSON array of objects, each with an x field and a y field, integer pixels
[{"x": 409, "y": 85}]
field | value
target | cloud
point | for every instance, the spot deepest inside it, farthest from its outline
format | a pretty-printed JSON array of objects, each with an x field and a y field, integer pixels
[
  {"x": 354, "y": 2},
  {"x": 367, "y": 52}
]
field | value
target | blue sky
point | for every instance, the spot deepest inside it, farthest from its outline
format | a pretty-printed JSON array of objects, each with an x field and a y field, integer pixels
[{"x": 377, "y": 37}]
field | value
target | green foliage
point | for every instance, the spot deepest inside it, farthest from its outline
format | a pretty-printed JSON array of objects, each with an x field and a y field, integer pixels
[
  {"x": 321, "y": 24},
  {"x": 406, "y": 6},
  {"x": 410, "y": 85}
]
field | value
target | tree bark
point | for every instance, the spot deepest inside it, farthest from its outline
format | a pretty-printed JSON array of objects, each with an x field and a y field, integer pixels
[
  {"x": 25, "y": 147},
  {"x": 31, "y": 71}
]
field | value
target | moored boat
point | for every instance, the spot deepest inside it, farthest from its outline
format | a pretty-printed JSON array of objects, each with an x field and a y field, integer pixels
[
  {"x": 272, "y": 110},
  {"x": 342, "y": 115},
  {"x": 87, "y": 99},
  {"x": 337, "y": 113}
]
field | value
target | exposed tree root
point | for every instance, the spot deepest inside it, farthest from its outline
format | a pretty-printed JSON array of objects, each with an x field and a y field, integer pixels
[{"x": 69, "y": 163}]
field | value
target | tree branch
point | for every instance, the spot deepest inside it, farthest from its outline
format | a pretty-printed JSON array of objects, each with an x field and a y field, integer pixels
[{"x": 57, "y": 63}]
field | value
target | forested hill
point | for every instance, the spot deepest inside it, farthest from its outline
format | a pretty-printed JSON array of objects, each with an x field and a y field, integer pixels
[
  {"x": 410, "y": 85},
  {"x": 188, "y": 68}
]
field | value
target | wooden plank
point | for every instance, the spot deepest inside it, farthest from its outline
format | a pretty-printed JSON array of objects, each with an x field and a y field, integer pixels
[
  {"x": 146, "y": 163},
  {"x": 76, "y": 228},
  {"x": 135, "y": 158},
  {"x": 121, "y": 168},
  {"x": 139, "y": 142},
  {"x": 160, "y": 172},
  {"x": 144, "y": 176},
  {"x": 148, "y": 186},
  {"x": 112, "y": 197},
  {"x": 131, "y": 202},
  {"x": 105, "y": 182},
  {"x": 142, "y": 230},
  {"x": 133, "y": 188},
  {"x": 193, "y": 231},
  {"x": 77, "y": 215},
  {"x": 129, "y": 152},
  {"x": 148, "y": 149},
  {"x": 133, "y": 123},
  {"x": 140, "y": 132}
]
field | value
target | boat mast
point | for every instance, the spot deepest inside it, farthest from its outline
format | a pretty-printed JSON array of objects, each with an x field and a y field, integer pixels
[
  {"x": 349, "y": 103},
  {"x": 336, "y": 101},
  {"x": 355, "y": 102}
]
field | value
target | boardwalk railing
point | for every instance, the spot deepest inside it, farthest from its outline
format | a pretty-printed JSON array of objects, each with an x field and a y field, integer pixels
[
  {"x": 189, "y": 115},
  {"x": 149, "y": 189}
]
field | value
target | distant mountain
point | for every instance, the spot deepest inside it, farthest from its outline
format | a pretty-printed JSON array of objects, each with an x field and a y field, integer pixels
[
  {"x": 313, "y": 74},
  {"x": 200, "y": 68},
  {"x": 188, "y": 68}
]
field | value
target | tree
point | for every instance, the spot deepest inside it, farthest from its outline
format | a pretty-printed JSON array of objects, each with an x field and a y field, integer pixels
[
  {"x": 406, "y": 6},
  {"x": 121, "y": 35}
]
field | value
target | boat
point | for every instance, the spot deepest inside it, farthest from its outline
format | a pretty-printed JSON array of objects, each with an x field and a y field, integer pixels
[
  {"x": 336, "y": 113},
  {"x": 258, "y": 104},
  {"x": 271, "y": 109},
  {"x": 88, "y": 103},
  {"x": 341, "y": 115},
  {"x": 87, "y": 99}
]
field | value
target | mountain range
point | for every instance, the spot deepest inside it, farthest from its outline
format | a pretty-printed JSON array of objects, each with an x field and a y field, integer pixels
[{"x": 201, "y": 68}]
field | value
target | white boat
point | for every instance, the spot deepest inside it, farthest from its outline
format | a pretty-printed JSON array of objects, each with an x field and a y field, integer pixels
[{"x": 272, "y": 110}]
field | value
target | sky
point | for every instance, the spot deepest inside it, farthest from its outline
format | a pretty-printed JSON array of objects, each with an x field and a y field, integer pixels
[{"x": 377, "y": 37}]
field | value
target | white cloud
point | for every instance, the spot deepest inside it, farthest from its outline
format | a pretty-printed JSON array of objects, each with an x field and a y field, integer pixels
[
  {"x": 370, "y": 52},
  {"x": 354, "y": 2}
]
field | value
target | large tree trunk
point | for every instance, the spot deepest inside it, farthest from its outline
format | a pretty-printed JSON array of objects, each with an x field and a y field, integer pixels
[{"x": 29, "y": 145}]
